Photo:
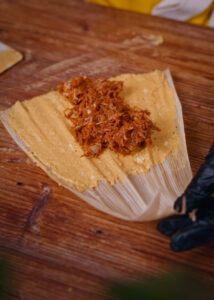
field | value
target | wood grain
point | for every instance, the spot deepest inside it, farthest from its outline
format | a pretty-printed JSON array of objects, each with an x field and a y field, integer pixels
[{"x": 59, "y": 247}]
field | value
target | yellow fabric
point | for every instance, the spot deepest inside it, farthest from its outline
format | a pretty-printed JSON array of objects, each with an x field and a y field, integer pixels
[
  {"x": 146, "y": 6},
  {"x": 202, "y": 18},
  {"x": 142, "y": 6}
]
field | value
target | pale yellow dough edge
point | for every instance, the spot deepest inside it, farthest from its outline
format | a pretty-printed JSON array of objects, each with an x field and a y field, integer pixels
[{"x": 8, "y": 58}]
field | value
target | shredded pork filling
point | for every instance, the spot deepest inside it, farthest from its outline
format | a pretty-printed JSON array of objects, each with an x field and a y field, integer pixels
[{"x": 101, "y": 120}]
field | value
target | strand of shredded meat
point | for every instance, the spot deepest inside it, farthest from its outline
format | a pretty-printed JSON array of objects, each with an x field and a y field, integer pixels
[{"x": 100, "y": 119}]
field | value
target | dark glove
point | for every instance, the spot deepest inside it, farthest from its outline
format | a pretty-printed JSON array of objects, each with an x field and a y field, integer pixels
[{"x": 196, "y": 226}]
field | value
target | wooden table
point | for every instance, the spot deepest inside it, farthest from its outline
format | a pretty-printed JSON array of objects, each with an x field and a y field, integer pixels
[{"x": 58, "y": 246}]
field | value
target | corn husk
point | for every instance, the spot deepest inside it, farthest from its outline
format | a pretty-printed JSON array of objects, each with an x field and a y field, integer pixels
[{"x": 143, "y": 197}]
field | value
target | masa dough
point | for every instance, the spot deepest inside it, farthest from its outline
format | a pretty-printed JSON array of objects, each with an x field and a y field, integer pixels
[
  {"x": 42, "y": 127},
  {"x": 8, "y": 57}
]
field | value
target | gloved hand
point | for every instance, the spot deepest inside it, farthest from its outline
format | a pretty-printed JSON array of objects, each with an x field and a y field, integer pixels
[{"x": 195, "y": 224}]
